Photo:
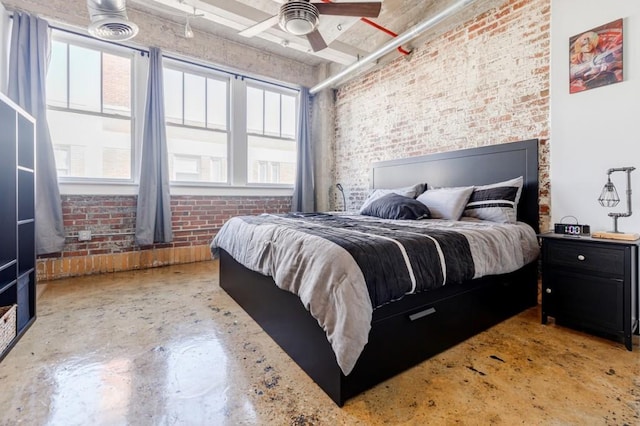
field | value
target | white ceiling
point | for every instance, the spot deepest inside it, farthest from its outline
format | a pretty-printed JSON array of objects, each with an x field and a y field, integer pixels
[{"x": 348, "y": 37}]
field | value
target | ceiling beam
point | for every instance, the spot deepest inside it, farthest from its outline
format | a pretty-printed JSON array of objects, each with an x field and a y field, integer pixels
[{"x": 239, "y": 16}]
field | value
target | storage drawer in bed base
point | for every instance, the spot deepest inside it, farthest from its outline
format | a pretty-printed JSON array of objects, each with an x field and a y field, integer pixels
[{"x": 403, "y": 335}]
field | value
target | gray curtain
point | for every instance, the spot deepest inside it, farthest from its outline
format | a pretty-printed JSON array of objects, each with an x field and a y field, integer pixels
[
  {"x": 28, "y": 61},
  {"x": 304, "y": 197},
  {"x": 153, "y": 215}
]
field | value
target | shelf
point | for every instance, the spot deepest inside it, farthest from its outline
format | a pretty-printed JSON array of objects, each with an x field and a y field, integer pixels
[
  {"x": 21, "y": 274},
  {"x": 26, "y": 247},
  {"x": 6, "y": 263},
  {"x": 8, "y": 273},
  {"x": 26, "y": 199},
  {"x": 9, "y": 294},
  {"x": 7, "y": 181},
  {"x": 17, "y": 213},
  {"x": 26, "y": 130},
  {"x": 4, "y": 287},
  {"x": 26, "y": 169}
]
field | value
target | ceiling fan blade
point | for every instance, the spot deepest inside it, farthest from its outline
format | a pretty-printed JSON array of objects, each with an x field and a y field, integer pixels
[
  {"x": 259, "y": 27},
  {"x": 369, "y": 9},
  {"x": 316, "y": 41}
]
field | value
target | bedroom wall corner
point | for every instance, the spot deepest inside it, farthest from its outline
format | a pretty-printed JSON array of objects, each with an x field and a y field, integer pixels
[
  {"x": 596, "y": 129},
  {"x": 323, "y": 141}
]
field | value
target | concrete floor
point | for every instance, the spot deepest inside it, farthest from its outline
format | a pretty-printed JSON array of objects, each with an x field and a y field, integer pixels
[{"x": 168, "y": 347}]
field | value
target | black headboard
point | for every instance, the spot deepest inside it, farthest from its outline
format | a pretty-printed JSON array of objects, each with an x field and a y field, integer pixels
[{"x": 474, "y": 166}]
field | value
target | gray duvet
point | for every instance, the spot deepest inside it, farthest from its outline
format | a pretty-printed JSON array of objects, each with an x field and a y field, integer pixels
[{"x": 342, "y": 267}]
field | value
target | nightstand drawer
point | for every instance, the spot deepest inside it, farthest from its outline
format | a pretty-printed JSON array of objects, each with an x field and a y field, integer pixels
[{"x": 587, "y": 257}]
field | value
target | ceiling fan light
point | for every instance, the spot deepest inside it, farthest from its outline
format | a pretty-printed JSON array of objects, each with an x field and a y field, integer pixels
[
  {"x": 299, "y": 17},
  {"x": 298, "y": 26}
]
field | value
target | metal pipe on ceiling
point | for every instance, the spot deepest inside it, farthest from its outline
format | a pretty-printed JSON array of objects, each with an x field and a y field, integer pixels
[{"x": 409, "y": 35}]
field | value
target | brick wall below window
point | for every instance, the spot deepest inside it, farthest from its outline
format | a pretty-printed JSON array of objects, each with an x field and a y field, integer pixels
[{"x": 111, "y": 220}]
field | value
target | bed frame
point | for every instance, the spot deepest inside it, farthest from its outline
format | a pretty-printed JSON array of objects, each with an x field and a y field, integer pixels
[{"x": 413, "y": 329}]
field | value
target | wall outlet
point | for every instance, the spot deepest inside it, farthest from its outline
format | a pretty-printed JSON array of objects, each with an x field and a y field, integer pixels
[{"x": 84, "y": 235}]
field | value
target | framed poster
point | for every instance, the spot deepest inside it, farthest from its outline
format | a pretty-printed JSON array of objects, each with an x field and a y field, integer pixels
[{"x": 595, "y": 57}]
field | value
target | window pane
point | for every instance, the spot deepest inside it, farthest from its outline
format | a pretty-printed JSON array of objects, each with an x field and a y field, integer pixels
[
  {"x": 271, "y": 160},
  {"x": 84, "y": 79},
  {"x": 197, "y": 155},
  {"x": 186, "y": 168},
  {"x": 106, "y": 154},
  {"x": 63, "y": 159},
  {"x": 57, "y": 75},
  {"x": 172, "y": 95},
  {"x": 194, "y": 100},
  {"x": 288, "y": 116},
  {"x": 255, "y": 109},
  {"x": 116, "y": 84},
  {"x": 271, "y": 113},
  {"x": 216, "y": 104}
]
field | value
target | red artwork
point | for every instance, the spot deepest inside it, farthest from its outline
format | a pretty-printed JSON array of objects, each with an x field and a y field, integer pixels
[{"x": 596, "y": 57}]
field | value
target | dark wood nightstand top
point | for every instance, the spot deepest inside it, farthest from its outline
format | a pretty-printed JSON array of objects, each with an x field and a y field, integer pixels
[{"x": 587, "y": 238}]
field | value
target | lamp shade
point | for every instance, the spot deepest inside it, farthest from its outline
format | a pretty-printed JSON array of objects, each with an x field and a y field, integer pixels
[{"x": 609, "y": 195}]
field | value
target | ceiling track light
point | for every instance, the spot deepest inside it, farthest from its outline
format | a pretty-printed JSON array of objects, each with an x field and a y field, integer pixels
[{"x": 188, "y": 31}]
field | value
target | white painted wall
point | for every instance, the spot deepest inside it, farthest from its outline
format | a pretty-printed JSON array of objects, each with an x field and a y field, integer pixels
[{"x": 597, "y": 129}]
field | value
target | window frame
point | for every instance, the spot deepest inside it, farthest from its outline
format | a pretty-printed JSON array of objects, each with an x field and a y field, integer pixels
[
  {"x": 207, "y": 73},
  {"x": 111, "y": 49},
  {"x": 236, "y": 185},
  {"x": 264, "y": 86}
]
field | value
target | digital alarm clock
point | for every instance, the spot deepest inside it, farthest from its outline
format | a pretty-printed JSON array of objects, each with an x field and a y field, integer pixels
[{"x": 571, "y": 229}]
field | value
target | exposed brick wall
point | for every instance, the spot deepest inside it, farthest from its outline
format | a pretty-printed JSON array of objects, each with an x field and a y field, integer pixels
[
  {"x": 480, "y": 82},
  {"x": 111, "y": 219}
]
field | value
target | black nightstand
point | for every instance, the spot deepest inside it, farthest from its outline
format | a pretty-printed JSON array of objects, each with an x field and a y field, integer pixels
[{"x": 591, "y": 284}]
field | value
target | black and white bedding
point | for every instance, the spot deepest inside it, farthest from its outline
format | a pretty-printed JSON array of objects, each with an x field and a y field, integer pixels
[{"x": 344, "y": 266}]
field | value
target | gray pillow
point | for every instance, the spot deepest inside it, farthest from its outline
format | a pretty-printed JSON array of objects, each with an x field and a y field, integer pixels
[
  {"x": 446, "y": 203},
  {"x": 394, "y": 206}
]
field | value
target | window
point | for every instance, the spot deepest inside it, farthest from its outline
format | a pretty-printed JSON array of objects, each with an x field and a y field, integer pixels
[
  {"x": 196, "y": 115},
  {"x": 89, "y": 109},
  {"x": 222, "y": 129},
  {"x": 271, "y": 126}
]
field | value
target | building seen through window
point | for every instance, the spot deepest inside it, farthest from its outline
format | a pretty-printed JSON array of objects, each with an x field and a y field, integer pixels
[
  {"x": 89, "y": 115},
  {"x": 196, "y": 108},
  {"x": 271, "y": 134},
  {"x": 216, "y": 122}
]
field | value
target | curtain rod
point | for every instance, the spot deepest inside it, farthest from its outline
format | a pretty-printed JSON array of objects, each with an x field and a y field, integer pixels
[{"x": 175, "y": 58}]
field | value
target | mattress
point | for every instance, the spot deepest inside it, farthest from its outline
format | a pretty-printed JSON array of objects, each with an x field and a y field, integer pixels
[{"x": 344, "y": 266}]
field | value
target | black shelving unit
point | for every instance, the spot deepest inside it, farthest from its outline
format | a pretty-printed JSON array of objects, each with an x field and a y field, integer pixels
[{"x": 17, "y": 215}]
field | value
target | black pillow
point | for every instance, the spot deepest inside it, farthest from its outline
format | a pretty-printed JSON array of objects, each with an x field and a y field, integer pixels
[{"x": 394, "y": 206}]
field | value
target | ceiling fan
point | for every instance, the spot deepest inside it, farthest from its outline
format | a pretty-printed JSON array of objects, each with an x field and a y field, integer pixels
[{"x": 301, "y": 17}]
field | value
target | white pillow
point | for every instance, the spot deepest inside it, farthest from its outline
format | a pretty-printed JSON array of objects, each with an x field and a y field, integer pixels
[
  {"x": 408, "y": 191},
  {"x": 497, "y": 202},
  {"x": 446, "y": 203}
]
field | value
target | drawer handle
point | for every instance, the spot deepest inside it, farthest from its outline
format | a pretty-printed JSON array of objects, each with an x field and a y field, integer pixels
[
  {"x": 422, "y": 314},
  {"x": 548, "y": 291},
  {"x": 581, "y": 257}
]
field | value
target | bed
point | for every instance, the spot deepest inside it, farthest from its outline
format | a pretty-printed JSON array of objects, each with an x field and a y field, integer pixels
[{"x": 404, "y": 332}]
